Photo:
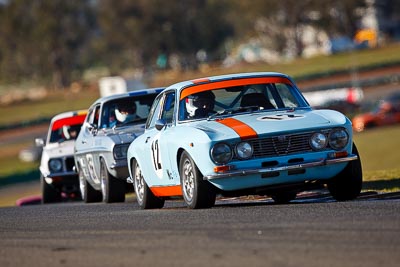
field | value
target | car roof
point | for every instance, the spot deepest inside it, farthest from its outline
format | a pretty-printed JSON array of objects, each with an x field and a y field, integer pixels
[
  {"x": 69, "y": 114},
  {"x": 184, "y": 84},
  {"x": 104, "y": 99}
]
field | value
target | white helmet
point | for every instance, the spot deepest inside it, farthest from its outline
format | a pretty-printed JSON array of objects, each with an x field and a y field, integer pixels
[
  {"x": 65, "y": 130},
  {"x": 203, "y": 100},
  {"x": 125, "y": 113}
]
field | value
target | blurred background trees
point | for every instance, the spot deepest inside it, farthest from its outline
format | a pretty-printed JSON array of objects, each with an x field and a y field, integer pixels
[{"x": 55, "y": 41}]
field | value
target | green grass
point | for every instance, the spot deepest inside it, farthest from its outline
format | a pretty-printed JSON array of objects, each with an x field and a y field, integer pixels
[
  {"x": 379, "y": 148},
  {"x": 10, "y": 164},
  {"x": 56, "y": 103}
]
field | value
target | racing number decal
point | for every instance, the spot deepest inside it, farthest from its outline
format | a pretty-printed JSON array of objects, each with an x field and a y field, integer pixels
[{"x": 156, "y": 155}]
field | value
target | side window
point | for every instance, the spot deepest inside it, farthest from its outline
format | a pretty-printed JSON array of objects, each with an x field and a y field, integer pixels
[
  {"x": 96, "y": 117},
  {"x": 168, "y": 107},
  {"x": 90, "y": 116},
  {"x": 106, "y": 116},
  {"x": 154, "y": 112}
]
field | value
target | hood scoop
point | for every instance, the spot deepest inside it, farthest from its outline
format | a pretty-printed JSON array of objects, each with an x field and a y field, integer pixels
[{"x": 280, "y": 117}]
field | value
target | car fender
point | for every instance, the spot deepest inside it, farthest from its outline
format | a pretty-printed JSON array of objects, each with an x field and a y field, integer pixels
[{"x": 196, "y": 142}]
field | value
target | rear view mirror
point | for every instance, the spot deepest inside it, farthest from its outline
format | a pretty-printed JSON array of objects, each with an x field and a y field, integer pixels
[{"x": 39, "y": 142}]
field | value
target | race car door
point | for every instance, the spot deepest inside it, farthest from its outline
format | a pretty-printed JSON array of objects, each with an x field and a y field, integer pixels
[
  {"x": 157, "y": 140},
  {"x": 85, "y": 143}
]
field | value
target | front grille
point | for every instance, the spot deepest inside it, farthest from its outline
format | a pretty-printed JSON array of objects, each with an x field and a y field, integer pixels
[
  {"x": 281, "y": 145},
  {"x": 69, "y": 163}
]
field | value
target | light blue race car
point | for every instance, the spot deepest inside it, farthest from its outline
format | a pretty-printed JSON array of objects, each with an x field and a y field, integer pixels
[{"x": 241, "y": 134}]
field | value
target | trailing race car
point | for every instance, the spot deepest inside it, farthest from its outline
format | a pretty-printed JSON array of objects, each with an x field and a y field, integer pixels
[
  {"x": 241, "y": 134},
  {"x": 112, "y": 123},
  {"x": 387, "y": 112},
  {"x": 57, "y": 172}
]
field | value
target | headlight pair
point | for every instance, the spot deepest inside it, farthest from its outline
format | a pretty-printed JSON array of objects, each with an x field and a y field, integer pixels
[
  {"x": 222, "y": 153},
  {"x": 337, "y": 139}
]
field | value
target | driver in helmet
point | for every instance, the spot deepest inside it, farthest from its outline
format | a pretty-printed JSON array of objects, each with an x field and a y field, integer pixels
[
  {"x": 69, "y": 133},
  {"x": 200, "y": 105},
  {"x": 123, "y": 113}
]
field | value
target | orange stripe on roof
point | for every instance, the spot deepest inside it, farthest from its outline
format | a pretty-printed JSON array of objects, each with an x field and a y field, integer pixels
[
  {"x": 202, "y": 80},
  {"x": 166, "y": 191},
  {"x": 230, "y": 83},
  {"x": 242, "y": 129}
]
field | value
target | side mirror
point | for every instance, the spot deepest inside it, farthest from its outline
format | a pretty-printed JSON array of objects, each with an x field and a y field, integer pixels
[
  {"x": 92, "y": 128},
  {"x": 160, "y": 124},
  {"x": 39, "y": 142}
]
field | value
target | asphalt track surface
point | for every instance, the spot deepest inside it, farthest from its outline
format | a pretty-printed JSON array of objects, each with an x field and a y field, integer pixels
[{"x": 314, "y": 230}]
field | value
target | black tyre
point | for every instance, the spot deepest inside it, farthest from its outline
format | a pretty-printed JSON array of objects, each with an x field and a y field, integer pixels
[
  {"x": 283, "y": 197},
  {"x": 49, "y": 193},
  {"x": 196, "y": 192},
  {"x": 88, "y": 193},
  {"x": 113, "y": 189},
  {"x": 145, "y": 198},
  {"x": 348, "y": 183}
]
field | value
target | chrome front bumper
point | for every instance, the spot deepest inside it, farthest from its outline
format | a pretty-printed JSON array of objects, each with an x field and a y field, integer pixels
[{"x": 293, "y": 167}]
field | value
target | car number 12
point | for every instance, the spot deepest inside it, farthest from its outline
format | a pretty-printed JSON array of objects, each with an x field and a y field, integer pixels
[{"x": 156, "y": 155}]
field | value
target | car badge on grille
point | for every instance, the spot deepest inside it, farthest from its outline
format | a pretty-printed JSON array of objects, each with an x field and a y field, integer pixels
[{"x": 282, "y": 138}]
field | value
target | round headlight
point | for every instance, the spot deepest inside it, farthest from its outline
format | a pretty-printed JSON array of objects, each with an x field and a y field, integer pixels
[
  {"x": 221, "y": 153},
  {"x": 55, "y": 165},
  {"x": 244, "y": 150},
  {"x": 318, "y": 141},
  {"x": 338, "y": 139},
  {"x": 121, "y": 151}
]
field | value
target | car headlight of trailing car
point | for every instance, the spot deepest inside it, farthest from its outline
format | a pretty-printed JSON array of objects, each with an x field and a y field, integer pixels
[
  {"x": 120, "y": 151},
  {"x": 221, "y": 153},
  {"x": 244, "y": 150},
  {"x": 338, "y": 138},
  {"x": 318, "y": 141},
  {"x": 55, "y": 165}
]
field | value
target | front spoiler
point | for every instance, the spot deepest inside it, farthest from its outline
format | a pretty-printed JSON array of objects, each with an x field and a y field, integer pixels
[{"x": 293, "y": 167}]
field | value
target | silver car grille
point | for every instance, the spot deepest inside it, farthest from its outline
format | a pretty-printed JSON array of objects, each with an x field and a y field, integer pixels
[{"x": 281, "y": 145}]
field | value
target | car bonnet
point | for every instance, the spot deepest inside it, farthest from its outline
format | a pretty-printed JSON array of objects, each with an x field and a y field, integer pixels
[
  {"x": 249, "y": 126},
  {"x": 125, "y": 134},
  {"x": 62, "y": 149}
]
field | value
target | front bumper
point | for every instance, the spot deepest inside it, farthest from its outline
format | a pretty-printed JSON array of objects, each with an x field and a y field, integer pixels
[
  {"x": 119, "y": 169},
  {"x": 289, "y": 167},
  {"x": 67, "y": 182}
]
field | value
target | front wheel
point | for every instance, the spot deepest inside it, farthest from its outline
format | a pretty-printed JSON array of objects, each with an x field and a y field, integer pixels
[
  {"x": 113, "y": 189},
  {"x": 49, "y": 193},
  {"x": 88, "y": 193},
  {"x": 348, "y": 183},
  {"x": 145, "y": 198},
  {"x": 196, "y": 192}
]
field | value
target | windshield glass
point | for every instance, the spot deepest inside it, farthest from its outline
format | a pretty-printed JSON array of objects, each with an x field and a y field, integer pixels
[
  {"x": 66, "y": 129},
  {"x": 240, "y": 99},
  {"x": 127, "y": 110}
]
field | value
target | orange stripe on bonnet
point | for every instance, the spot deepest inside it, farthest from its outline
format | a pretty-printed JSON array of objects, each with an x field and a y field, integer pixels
[{"x": 242, "y": 129}]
